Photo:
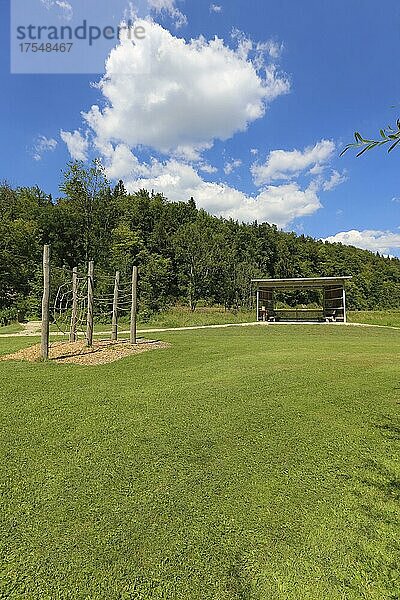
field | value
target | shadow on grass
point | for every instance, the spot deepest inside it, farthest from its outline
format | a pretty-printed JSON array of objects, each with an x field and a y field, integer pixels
[
  {"x": 391, "y": 431},
  {"x": 239, "y": 584},
  {"x": 377, "y": 492},
  {"x": 383, "y": 481}
]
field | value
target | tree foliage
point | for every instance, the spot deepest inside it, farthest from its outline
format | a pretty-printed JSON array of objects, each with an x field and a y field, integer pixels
[
  {"x": 389, "y": 136},
  {"x": 185, "y": 255}
]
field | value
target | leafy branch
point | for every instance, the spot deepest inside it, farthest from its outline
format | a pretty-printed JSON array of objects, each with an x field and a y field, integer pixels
[{"x": 390, "y": 135}]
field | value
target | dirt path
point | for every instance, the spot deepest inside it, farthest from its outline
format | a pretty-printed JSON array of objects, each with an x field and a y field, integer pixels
[{"x": 32, "y": 328}]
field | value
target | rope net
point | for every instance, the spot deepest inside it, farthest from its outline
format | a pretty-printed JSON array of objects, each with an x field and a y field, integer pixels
[{"x": 62, "y": 306}]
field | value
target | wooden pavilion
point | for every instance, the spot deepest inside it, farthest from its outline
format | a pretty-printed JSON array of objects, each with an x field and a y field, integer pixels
[{"x": 333, "y": 292}]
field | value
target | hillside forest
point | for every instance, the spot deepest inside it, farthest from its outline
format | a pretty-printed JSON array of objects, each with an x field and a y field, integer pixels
[{"x": 185, "y": 255}]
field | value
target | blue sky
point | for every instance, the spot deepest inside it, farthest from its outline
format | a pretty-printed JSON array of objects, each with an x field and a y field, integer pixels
[{"x": 260, "y": 138}]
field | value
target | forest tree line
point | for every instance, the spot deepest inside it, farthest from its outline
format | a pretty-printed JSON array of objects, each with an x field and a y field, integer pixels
[{"x": 185, "y": 255}]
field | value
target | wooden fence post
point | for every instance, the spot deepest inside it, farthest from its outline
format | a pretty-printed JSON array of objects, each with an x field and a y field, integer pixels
[
  {"x": 46, "y": 304},
  {"x": 90, "y": 299},
  {"x": 74, "y": 314},
  {"x": 114, "y": 329},
  {"x": 134, "y": 305}
]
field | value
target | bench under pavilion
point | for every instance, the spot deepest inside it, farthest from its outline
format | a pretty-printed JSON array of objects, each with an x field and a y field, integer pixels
[{"x": 334, "y": 299}]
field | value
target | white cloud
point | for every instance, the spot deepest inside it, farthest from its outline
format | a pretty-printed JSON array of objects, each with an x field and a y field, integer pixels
[
  {"x": 281, "y": 164},
  {"x": 279, "y": 204},
  {"x": 119, "y": 161},
  {"x": 246, "y": 47},
  {"x": 197, "y": 92},
  {"x": 335, "y": 180},
  {"x": 261, "y": 52},
  {"x": 215, "y": 8},
  {"x": 66, "y": 10},
  {"x": 168, "y": 7},
  {"x": 232, "y": 165},
  {"x": 276, "y": 204},
  {"x": 271, "y": 47},
  {"x": 77, "y": 145},
  {"x": 42, "y": 145},
  {"x": 206, "y": 168},
  {"x": 376, "y": 241},
  {"x": 275, "y": 84}
]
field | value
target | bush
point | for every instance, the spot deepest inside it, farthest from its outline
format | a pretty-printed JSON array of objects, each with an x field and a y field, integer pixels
[{"x": 8, "y": 316}]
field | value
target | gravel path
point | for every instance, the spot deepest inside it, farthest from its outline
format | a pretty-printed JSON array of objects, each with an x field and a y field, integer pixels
[{"x": 32, "y": 328}]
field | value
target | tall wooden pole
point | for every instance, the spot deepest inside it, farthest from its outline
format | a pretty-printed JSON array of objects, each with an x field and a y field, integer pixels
[
  {"x": 344, "y": 305},
  {"x": 134, "y": 305},
  {"x": 258, "y": 304},
  {"x": 90, "y": 298},
  {"x": 46, "y": 304},
  {"x": 74, "y": 314},
  {"x": 114, "y": 329}
]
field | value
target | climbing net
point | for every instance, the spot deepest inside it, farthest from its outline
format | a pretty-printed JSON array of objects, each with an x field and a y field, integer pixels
[
  {"x": 110, "y": 297},
  {"x": 61, "y": 307},
  {"x": 104, "y": 300}
]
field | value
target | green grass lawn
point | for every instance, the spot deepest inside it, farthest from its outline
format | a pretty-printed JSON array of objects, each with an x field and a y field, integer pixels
[
  {"x": 13, "y": 328},
  {"x": 376, "y": 317},
  {"x": 241, "y": 464},
  {"x": 181, "y": 317}
]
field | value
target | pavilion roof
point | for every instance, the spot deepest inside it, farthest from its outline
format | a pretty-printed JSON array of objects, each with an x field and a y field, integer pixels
[{"x": 303, "y": 282}]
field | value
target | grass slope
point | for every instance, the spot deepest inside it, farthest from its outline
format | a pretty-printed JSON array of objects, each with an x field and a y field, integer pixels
[
  {"x": 389, "y": 318},
  {"x": 13, "y": 328},
  {"x": 180, "y": 317},
  {"x": 257, "y": 463},
  {"x": 183, "y": 317}
]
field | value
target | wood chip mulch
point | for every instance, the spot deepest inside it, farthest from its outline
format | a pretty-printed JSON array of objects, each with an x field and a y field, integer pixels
[{"x": 101, "y": 353}]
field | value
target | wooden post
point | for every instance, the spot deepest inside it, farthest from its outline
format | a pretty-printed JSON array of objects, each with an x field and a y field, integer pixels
[
  {"x": 344, "y": 305},
  {"x": 114, "y": 329},
  {"x": 90, "y": 292},
  {"x": 74, "y": 314},
  {"x": 134, "y": 305},
  {"x": 258, "y": 304},
  {"x": 46, "y": 304}
]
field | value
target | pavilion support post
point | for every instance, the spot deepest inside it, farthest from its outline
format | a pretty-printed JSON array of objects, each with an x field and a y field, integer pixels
[
  {"x": 114, "y": 333},
  {"x": 134, "y": 306},
  {"x": 273, "y": 303},
  {"x": 74, "y": 313},
  {"x": 90, "y": 301},
  {"x": 258, "y": 304},
  {"x": 344, "y": 305},
  {"x": 46, "y": 304}
]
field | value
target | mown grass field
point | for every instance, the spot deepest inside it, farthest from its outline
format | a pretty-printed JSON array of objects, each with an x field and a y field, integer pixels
[
  {"x": 13, "y": 328},
  {"x": 183, "y": 317},
  {"x": 254, "y": 463},
  {"x": 179, "y": 317},
  {"x": 388, "y": 318}
]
